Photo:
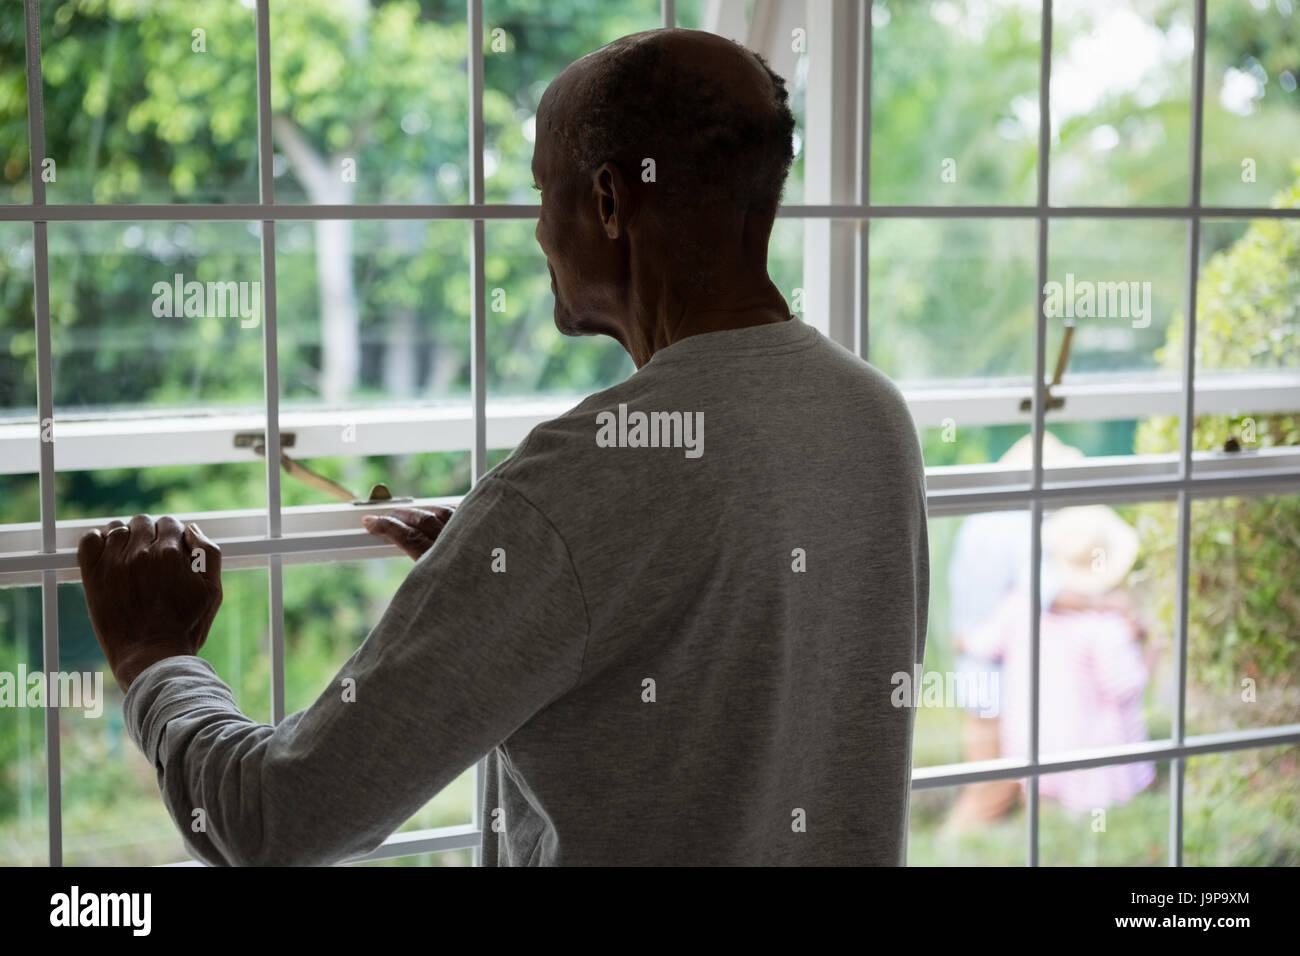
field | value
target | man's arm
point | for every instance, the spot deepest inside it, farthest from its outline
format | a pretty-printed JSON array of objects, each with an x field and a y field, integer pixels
[{"x": 489, "y": 628}]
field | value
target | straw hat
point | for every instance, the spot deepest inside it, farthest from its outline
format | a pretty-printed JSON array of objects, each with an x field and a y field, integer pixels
[
  {"x": 1091, "y": 547},
  {"x": 1055, "y": 451}
]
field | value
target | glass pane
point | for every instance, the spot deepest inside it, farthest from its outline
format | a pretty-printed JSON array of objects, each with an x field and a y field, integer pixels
[
  {"x": 464, "y": 857},
  {"x": 24, "y": 833},
  {"x": 329, "y": 609},
  {"x": 1122, "y": 286},
  {"x": 1247, "y": 353},
  {"x": 526, "y": 353},
  {"x": 1242, "y": 808},
  {"x": 150, "y": 102},
  {"x": 526, "y": 44},
  {"x": 371, "y": 102},
  {"x": 154, "y": 320},
  {"x": 1106, "y": 675},
  {"x": 15, "y": 155},
  {"x": 967, "y": 707},
  {"x": 785, "y": 265},
  {"x": 1252, "y": 106},
  {"x": 113, "y": 814},
  {"x": 952, "y": 322},
  {"x": 1105, "y": 816},
  {"x": 1243, "y": 658},
  {"x": 1120, "y": 101},
  {"x": 19, "y": 486},
  {"x": 954, "y": 116},
  {"x": 373, "y": 322},
  {"x": 981, "y": 824}
]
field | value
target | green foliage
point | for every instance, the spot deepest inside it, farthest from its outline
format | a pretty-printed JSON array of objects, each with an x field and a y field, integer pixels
[{"x": 1243, "y": 610}]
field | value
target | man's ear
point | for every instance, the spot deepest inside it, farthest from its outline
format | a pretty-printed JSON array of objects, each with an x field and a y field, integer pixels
[{"x": 614, "y": 200}]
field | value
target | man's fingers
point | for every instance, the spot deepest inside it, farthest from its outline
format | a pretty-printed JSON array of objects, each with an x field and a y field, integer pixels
[
  {"x": 209, "y": 557},
  {"x": 116, "y": 536},
  {"x": 430, "y": 521},
  {"x": 168, "y": 527},
  {"x": 142, "y": 534},
  {"x": 410, "y": 539},
  {"x": 89, "y": 548}
]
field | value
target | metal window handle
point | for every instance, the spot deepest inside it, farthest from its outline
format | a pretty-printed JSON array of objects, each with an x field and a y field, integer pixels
[
  {"x": 1062, "y": 359},
  {"x": 379, "y": 494}
]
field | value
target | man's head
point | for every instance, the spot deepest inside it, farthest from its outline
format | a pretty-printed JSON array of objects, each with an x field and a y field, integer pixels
[{"x": 661, "y": 159}]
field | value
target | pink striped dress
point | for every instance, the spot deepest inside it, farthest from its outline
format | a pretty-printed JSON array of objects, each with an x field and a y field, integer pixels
[{"x": 1092, "y": 679}]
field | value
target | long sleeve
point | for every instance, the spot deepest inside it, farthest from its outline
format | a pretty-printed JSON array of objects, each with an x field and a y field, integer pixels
[{"x": 488, "y": 629}]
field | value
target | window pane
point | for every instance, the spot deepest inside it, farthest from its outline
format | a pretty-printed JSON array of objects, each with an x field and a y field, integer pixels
[
  {"x": 1120, "y": 101},
  {"x": 1243, "y": 808},
  {"x": 981, "y": 824},
  {"x": 1247, "y": 350},
  {"x": 967, "y": 709},
  {"x": 785, "y": 265},
  {"x": 952, "y": 322},
  {"x": 526, "y": 354},
  {"x": 154, "y": 320},
  {"x": 1252, "y": 106},
  {"x": 954, "y": 103},
  {"x": 24, "y": 832},
  {"x": 19, "y": 486},
  {"x": 113, "y": 814},
  {"x": 464, "y": 857},
  {"x": 526, "y": 43},
  {"x": 1105, "y": 816},
  {"x": 150, "y": 102},
  {"x": 371, "y": 102},
  {"x": 15, "y": 156},
  {"x": 1105, "y": 661},
  {"x": 329, "y": 610},
  {"x": 374, "y": 337},
  {"x": 1122, "y": 285},
  {"x": 1243, "y": 657}
]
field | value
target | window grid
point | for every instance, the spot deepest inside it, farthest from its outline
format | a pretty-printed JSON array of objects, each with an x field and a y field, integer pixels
[
  {"x": 267, "y": 212},
  {"x": 1040, "y": 371}
]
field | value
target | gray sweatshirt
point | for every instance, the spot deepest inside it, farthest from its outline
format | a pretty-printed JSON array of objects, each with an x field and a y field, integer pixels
[{"x": 674, "y": 621}]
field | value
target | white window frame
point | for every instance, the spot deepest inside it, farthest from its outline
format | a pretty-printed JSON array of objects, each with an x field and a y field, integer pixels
[{"x": 837, "y": 166}]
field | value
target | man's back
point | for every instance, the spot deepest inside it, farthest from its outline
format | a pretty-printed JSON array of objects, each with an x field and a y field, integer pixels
[
  {"x": 672, "y": 657},
  {"x": 750, "y": 591}
]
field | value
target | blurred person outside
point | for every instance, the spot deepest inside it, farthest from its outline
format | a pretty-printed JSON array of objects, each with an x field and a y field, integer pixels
[
  {"x": 1092, "y": 667},
  {"x": 990, "y": 560}
]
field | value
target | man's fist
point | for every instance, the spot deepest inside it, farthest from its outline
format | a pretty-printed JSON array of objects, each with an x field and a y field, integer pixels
[
  {"x": 412, "y": 529},
  {"x": 152, "y": 588}
]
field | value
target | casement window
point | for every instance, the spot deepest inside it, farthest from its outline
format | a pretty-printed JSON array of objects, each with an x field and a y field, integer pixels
[{"x": 234, "y": 231}]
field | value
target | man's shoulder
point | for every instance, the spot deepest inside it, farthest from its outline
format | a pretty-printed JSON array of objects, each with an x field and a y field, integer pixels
[{"x": 556, "y": 452}]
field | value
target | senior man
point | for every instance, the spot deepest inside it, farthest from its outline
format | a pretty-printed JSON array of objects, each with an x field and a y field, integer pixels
[{"x": 672, "y": 650}]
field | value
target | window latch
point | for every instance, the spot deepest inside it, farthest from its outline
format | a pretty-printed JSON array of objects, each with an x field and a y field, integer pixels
[
  {"x": 379, "y": 494},
  {"x": 1062, "y": 359}
]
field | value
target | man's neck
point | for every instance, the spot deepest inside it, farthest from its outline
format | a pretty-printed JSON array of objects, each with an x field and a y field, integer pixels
[{"x": 673, "y": 321}]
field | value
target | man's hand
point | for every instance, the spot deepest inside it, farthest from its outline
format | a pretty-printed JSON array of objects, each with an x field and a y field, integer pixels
[
  {"x": 152, "y": 588},
  {"x": 412, "y": 529}
]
